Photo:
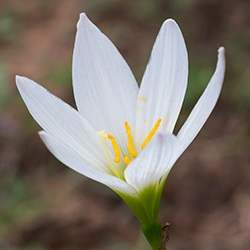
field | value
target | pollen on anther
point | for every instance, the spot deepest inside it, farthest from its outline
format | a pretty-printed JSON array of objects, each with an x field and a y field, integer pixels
[
  {"x": 151, "y": 133},
  {"x": 116, "y": 148},
  {"x": 131, "y": 144},
  {"x": 126, "y": 160}
]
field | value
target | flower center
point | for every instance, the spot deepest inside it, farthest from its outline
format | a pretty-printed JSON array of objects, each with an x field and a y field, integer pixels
[{"x": 131, "y": 146}]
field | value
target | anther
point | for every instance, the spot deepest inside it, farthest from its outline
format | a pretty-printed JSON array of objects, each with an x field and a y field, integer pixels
[
  {"x": 151, "y": 133},
  {"x": 131, "y": 145},
  {"x": 116, "y": 148},
  {"x": 126, "y": 160}
]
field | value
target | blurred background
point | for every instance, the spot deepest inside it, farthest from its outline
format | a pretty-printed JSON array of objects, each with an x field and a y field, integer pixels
[{"x": 45, "y": 206}]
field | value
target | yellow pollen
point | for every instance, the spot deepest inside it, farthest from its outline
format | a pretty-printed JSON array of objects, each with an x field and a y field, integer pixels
[
  {"x": 116, "y": 148},
  {"x": 131, "y": 145},
  {"x": 151, "y": 133},
  {"x": 126, "y": 160},
  {"x": 132, "y": 151}
]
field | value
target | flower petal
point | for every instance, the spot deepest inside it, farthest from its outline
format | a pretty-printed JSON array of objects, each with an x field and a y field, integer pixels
[
  {"x": 61, "y": 120},
  {"x": 164, "y": 82},
  {"x": 152, "y": 163},
  {"x": 104, "y": 87},
  {"x": 204, "y": 106},
  {"x": 71, "y": 158}
]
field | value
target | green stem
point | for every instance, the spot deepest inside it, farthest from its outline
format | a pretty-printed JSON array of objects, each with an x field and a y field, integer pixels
[{"x": 154, "y": 235}]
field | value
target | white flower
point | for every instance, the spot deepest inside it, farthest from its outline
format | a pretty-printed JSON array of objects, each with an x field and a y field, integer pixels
[{"x": 122, "y": 136}]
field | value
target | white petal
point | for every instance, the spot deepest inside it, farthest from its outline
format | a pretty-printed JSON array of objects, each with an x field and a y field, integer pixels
[
  {"x": 204, "y": 106},
  {"x": 68, "y": 156},
  {"x": 61, "y": 120},
  {"x": 164, "y": 82},
  {"x": 104, "y": 86},
  {"x": 152, "y": 163}
]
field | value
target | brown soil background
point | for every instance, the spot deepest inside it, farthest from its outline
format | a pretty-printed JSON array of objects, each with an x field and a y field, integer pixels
[{"x": 45, "y": 206}]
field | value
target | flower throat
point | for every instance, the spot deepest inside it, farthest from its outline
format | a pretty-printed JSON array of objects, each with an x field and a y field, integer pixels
[{"x": 132, "y": 151}]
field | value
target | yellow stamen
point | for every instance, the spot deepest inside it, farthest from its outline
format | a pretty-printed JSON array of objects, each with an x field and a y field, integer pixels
[
  {"x": 116, "y": 148},
  {"x": 131, "y": 145},
  {"x": 151, "y": 133},
  {"x": 126, "y": 160}
]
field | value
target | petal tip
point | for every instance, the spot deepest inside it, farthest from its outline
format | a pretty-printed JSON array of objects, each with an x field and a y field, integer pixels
[
  {"x": 221, "y": 58},
  {"x": 22, "y": 81},
  {"x": 41, "y": 132},
  {"x": 19, "y": 81},
  {"x": 82, "y": 18},
  {"x": 19, "y": 78},
  {"x": 221, "y": 51},
  {"x": 42, "y": 135},
  {"x": 170, "y": 23}
]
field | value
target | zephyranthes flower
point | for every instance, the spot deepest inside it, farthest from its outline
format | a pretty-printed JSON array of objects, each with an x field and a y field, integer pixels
[{"x": 120, "y": 135}]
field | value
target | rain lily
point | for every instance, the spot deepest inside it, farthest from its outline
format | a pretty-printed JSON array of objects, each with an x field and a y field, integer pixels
[{"x": 122, "y": 135}]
